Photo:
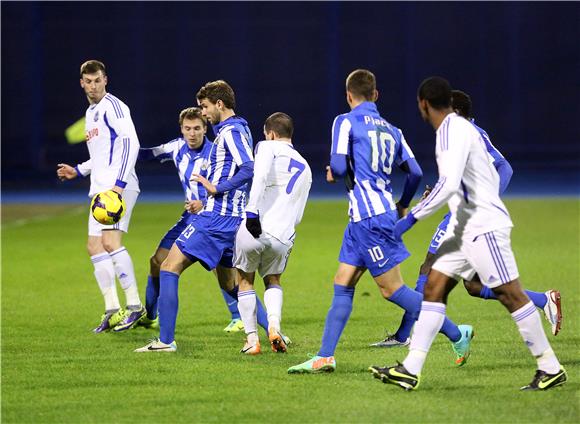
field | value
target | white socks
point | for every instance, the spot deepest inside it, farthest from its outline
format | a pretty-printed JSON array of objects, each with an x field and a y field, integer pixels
[
  {"x": 273, "y": 299},
  {"x": 428, "y": 325},
  {"x": 105, "y": 275},
  {"x": 247, "y": 308},
  {"x": 529, "y": 323},
  {"x": 126, "y": 275}
]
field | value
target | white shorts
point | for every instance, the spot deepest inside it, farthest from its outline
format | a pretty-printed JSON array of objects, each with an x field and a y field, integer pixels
[
  {"x": 489, "y": 255},
  {"x": 266, "y": 254},
  {"x": 96, "y": 228}
]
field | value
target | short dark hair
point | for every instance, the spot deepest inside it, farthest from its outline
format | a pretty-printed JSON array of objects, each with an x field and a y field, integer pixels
[
  {"x": 218, "y": 90},
  {"x": 281, "y": 124},
  {"x": 436, "y": 91},
  {"x": 92, "y": 67},
  {"x": 191, "y": 113},
  {"x": 362, "y": 83},
  {"x": 461, "y": 102}
]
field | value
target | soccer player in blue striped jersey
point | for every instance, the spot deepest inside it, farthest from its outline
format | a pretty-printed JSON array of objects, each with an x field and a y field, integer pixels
[
  {"x": 365, "y": 150},
  {"x": 188, "y": 153},
  {"x": 209, "y": 239},
  {"x": 113, "y": 147},
  {"x": 548, "y": 301}
]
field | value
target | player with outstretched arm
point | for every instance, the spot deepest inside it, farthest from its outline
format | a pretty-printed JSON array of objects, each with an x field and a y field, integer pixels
[
  {"x": 209, "y": 239},
  {"x": 188, "y": 153},
  {"x": 113, "y": 148}
]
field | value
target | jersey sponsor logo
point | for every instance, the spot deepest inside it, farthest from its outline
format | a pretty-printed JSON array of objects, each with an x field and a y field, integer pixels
[{"x": 92, "y": 133}]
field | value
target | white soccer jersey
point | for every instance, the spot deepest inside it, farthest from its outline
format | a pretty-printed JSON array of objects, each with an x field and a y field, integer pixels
[
  {"x": 113, "y": 146},
  {"x": 468, "y": 181},
  {"x": 282, "y": 180}
]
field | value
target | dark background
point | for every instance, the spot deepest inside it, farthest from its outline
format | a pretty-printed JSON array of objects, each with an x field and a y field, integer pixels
[{"x": 519, "y": 61}]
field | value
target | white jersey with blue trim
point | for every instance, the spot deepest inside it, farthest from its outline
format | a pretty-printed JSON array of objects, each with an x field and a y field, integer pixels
[
  {"x": 468, "y": 181},
  {"x": 187, "y": 161},
  {"x": 282, "y": 180},
  {"x": 231, "y": 148},
  {"x": 373, "y": 146},
  {"x": 113, "y": 146}
]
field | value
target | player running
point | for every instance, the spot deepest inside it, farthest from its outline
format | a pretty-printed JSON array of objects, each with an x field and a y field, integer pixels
[
  {"x": 209, "y": 239},
  {"x": 188, "y": 153},
  {"x": 113, "y": 148},
  {"x": 548, "y": 301},
  {"x": 282, "y": 180},
  {"x": 477, "y": 240},
  {"x": 365, "y": 148}
]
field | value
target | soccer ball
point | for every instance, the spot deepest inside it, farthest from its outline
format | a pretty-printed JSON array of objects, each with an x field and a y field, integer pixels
[{"x": 108, "y": 207}]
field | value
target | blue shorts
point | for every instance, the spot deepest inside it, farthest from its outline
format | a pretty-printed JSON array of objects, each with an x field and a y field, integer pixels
[
  {"x": 439, "y": 233},
  {"x": 210, "y": 239},
  {"x": 171, "y": 235},
  {"x": 370, "y": 243}
]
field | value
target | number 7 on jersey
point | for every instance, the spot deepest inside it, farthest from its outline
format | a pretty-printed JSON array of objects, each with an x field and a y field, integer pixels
[{"x": 300, "y": 167}]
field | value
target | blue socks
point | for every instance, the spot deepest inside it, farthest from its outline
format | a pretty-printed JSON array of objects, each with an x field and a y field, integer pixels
[
  {"x": 410, "y": 301},
  {"x": 232, "y": 304},
  {"x": 151, "y": 296},
  {"x": 336, "y": 319},
  {"x": 421, "y": 281},
  {"x": 261, "y": 313},
  {"x": 168, "y": 305},
  {"x": 450, "y": 329},
  {"x": 538, "y": 299}
]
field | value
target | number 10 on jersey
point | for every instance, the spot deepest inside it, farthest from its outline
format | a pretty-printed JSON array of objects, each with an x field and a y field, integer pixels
[{"x": 380, "y": 150}]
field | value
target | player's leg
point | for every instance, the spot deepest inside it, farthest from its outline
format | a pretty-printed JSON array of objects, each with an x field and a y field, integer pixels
[
  {"x": 450, "y": 261},
  {"x": 112, "y": 241},
  {"x": 345, "y": 281},
  {"x": 231, "y": 301},
  {"x": 104, "y": 272},
  {"x": 494, "y": 260},
  {"x": 549, "y": 301},
  {"x": 152, "y": 290},
  {"x": 247, "y": 307},
  {"x": 401, "y": 336}
]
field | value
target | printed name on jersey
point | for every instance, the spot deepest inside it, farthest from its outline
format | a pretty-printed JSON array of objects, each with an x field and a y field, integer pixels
[{"x": 376, "y": 121}]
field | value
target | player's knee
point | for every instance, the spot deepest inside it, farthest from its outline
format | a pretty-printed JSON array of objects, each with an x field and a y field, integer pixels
[
  {"x": 110, "y": 246},
  {"x": 473, "y": 288},
  {"x": 94, "y": 248},
  {"x": 154, "y": 263},
  {"x": 170, "y": 266}
]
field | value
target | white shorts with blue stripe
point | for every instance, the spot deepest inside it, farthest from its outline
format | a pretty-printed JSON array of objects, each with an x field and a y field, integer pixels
[
  {"x": 95, "y": 228},
  {"x": 489, "y": 255}
]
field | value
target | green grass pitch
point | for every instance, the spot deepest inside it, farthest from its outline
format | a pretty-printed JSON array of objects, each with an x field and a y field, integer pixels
[{"x": 55, "y": 370}]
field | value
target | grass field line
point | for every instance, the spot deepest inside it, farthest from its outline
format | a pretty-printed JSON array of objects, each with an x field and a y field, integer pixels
[{"x": 43, "y": 217}]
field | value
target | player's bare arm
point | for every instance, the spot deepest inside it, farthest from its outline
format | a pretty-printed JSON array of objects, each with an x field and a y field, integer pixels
[
  {"x": 193, "y": 206},
  {"x": 209, "y": 187},
  {"x": 66, "y": 172},
  {"x": 329, "y": 177}
]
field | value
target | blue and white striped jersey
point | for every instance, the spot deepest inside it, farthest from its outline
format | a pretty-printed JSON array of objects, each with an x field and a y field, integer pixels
[
  {"x": 372, "y": 146},
  {"x": 187, "y": 161},
  {"x": 491, "y": 149},
  {"x": 231, "y": 148}
]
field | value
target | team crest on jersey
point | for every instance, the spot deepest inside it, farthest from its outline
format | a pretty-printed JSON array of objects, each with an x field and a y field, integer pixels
[{"x": 96, "y": 116}]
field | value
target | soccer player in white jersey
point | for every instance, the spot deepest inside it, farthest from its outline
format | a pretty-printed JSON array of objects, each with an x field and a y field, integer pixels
[
  {"x": 365, "y": 149},
  {"x": 477, "y": 241},
  {"x": 549, "y": 301},
  {"x": 188, "y": 153},
  {"x": 282, "y": 180},
  {"x": 113, "y": 148},
  {"x": 209, "y": 239}
]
